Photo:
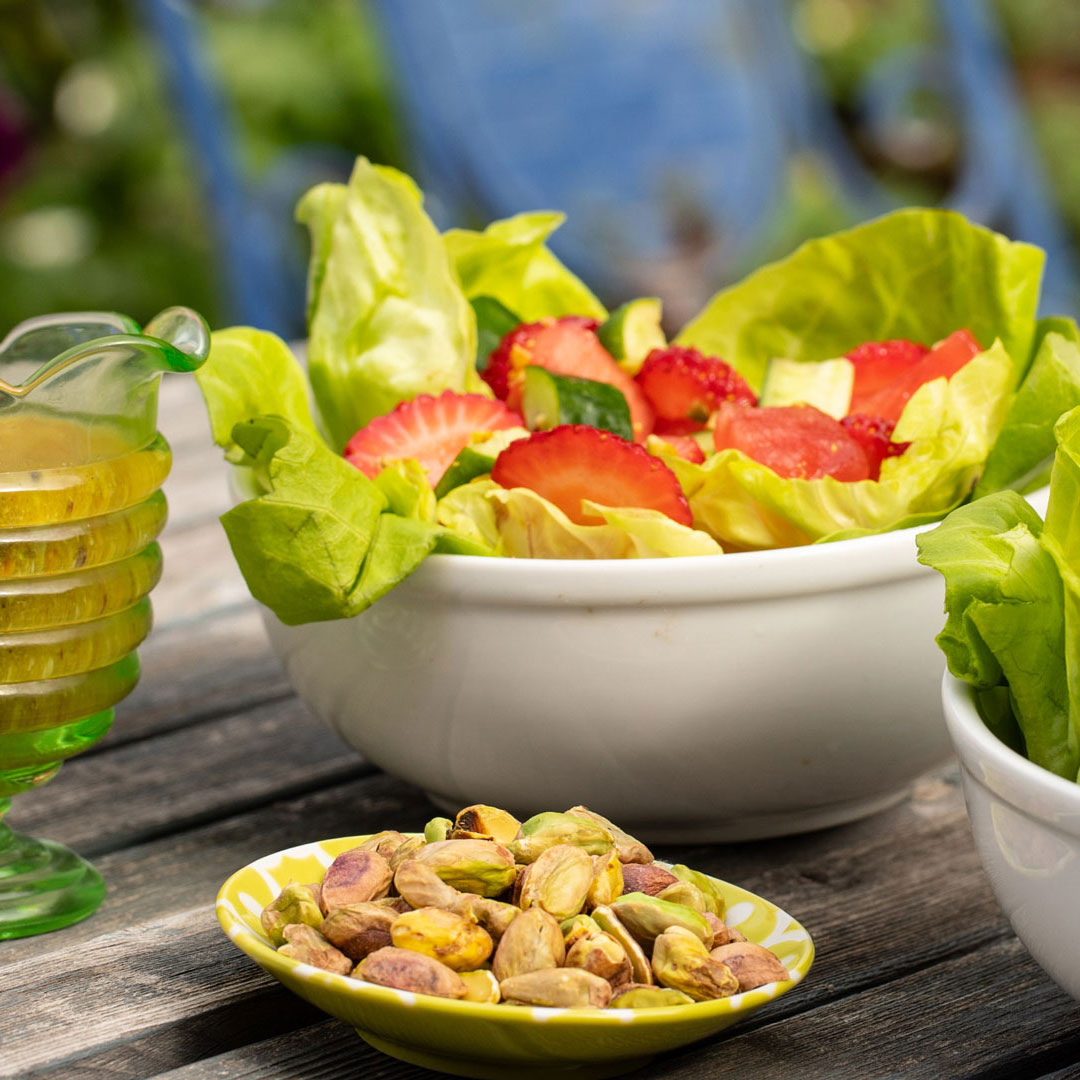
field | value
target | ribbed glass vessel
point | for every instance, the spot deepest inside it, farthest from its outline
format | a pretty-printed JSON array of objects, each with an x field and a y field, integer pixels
[{"x": 81, "y": 464}]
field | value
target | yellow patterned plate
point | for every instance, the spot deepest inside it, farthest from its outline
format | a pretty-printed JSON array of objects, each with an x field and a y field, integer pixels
[{"x": 494, "y": 1041}]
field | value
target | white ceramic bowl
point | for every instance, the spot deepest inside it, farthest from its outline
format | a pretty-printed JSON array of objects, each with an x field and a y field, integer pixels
[
  {"x": 1026, "y": 823},
  {"x": 724, "y": 697}
]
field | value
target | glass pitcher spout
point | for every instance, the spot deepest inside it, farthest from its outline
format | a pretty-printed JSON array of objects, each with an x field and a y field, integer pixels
[{"x": 95, "y": 370}]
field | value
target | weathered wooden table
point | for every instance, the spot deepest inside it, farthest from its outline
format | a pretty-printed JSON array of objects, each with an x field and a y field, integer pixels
[{"x": 213, "y": 762}]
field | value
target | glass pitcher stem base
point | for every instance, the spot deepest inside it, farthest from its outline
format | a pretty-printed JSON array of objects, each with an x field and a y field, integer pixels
[{"x": 43, "y": 885}]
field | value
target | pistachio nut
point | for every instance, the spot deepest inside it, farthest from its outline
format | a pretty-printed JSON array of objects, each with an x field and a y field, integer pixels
[
  {"x": 519, "y": 884},
  {"x": 485, "y": 823},
  {"x": 451, "y": 939},
  {"x": 493, "y": 915},
  {"x": 630, "y": 849},
  {"x": 422, "y": 887},
  {"x": 481, "y": 986},
  {"x": 687, "y": 894},
  {"x": 294, "y": 904},
  {"x": 714, "y": 897},
  {"x": 601, "y": 954},
  {"x": 385, "y": 842},
  {"x": 607, "y": 883},
  {"x": 648, "y": 997},
  {"x": 394, "y": 903},
  {"x": 359, "y": 929},
  {"x": 640, "y": 968},
  {"x": 438, "y": 828},
  {"x": 722, "y": 933},
  {"x": 558, "y": 881},
  {"x": 406, "y": 851},
  {"x": 307, "y": 946},
  {"x": 649, "y": 879},
  {"x": 753, "y": 965},
  {"x": 404, "y": 969},
  {"x": 532, "y": 942},
  {"x": 577, "y": 927},
  {"x": 681, "y": 961},
  {"x": 316, "y": 892},
  {"x": 563, "y": 988},
  {"x": 544, "y": 831},
  {"x": 476, "y": 866},
  {"x": 355, "y": 877},
  {"x": 646, "y": 917}
]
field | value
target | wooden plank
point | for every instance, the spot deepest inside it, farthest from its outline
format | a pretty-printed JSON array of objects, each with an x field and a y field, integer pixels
[{"x": 106, "y": 801}]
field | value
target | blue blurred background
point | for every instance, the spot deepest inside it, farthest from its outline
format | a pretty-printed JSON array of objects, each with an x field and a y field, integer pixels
[{"x": 151, "y": 151}]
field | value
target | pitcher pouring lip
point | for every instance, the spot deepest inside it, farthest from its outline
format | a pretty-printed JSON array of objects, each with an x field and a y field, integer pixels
[{"x": 96, "y": 369}]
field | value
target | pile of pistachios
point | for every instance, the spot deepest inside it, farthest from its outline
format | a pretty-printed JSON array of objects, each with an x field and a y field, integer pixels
[{"x": 562, "y": 910}]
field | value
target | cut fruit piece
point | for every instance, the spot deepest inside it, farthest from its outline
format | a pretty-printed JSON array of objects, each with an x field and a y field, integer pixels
[
  {"x": 431, "y": 430},
  {"x": 686, "y": 446},
  {"x": 548, "y": 400},
  {"x": 494, "y": 321},
  {"x": 565, "y": 346},
  {"x": 874, "y": 435},
  {"x": 574, "y": 462},
  {"x": 879, "y": 366},
  {"x": 795, "y": 441},
  {"x": 685, "y": 388},
  {"x": 878, "y": 395},
  {"x": 826, "y": 385},
  {"x": 632, "y": 331}
]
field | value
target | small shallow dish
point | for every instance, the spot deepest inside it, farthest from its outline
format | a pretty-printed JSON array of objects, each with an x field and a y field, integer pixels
[
  {"x": 467, "y": 1039},
  {"x": 1026, "y": 823}
]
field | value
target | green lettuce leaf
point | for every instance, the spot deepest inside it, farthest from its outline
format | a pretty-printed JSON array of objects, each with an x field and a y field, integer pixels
[
  {"x": 951, "y": 425},
  {"x": 509, "y": 262},
  {"x": 1006, "y": 624},
  {"x": 1022, "y": 455},
  {"x": 918, "y": 274},
  {"x": 251, "y": 373},
  {"x": 387, "y": 317},
  {"x": 522, "y": 524}
]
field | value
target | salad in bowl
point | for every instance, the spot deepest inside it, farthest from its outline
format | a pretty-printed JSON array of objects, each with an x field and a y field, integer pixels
[{"x": 603, "y": 564}]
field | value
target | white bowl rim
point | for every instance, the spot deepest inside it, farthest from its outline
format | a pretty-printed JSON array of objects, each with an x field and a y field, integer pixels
[{"x": 1028, "y": 787}]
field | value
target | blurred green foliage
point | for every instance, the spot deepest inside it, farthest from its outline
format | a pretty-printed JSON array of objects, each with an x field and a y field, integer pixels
[{"x": 100, "y": 201}]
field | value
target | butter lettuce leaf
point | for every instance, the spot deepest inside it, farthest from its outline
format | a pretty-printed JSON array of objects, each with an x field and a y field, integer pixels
[
  {"x": 510, "y": 262},
  {"x": 918, "y": 274},
  {"x": 1024, "y": 450},
  {"x": 387, "y": 319},
  {"x": 951, "y": 425},
  {"x": 250, "y": 373},
  {"x": 524, "y": 525}
]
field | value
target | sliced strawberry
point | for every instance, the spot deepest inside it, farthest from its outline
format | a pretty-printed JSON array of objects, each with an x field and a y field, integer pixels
[
  {"x": 874, "y": 435},
  {"x": 685, "y": 387},
  {"x": 792, "y": 440},
  {"x": 879, "y": 365},
  {"x": 565, "y": 346},
  {"x": 687, "y": 448},
  {"x": 574, "y": 462},
  {"x": 430, "y": 429},
  {"x": 944, "y": 360}
]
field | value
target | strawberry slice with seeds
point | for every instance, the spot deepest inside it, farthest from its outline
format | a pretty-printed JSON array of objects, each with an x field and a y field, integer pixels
[
  {"x": 564, "y": 346},
  {"x": 574, "y": 462},
  {"x": 795, "y": 441},
  {"x": 432, "y": 430},
  {"x": 685, "y": 387},
  {"x": 874, "y": 435}
]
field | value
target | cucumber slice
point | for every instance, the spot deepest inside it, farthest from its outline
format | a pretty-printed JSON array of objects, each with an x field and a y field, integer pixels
[
  {"x": 548, "y": 400},
  {"x": 493, "y": 322},
  {"x": 632, "y": 331},
  {"x": 468, "y": 465},
  {"x": 826, "y": 385}
]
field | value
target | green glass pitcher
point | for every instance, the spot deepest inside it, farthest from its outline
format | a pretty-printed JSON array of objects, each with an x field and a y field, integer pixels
[{"x": 81, "y": 464}]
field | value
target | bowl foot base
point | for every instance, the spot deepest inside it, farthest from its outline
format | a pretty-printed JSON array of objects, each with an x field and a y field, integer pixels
[
  {"x": 43, "y": 886},
  {"x": 495, "y": 1070}
]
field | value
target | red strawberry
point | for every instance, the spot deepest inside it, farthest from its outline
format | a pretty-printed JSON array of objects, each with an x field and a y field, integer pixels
[
  {"x": 792, "y": 440},
  {"x": 686, "y": 387},
  {"x": 874, "y": 435},
  {"x": 430, "y": 429},
  {"x": 574, "y": 462},
  {"x": 686, "y": 447},
  {"x": 565, "y": 346}
]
